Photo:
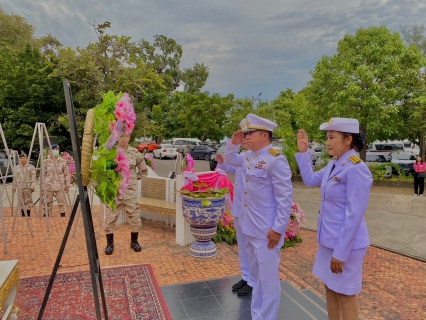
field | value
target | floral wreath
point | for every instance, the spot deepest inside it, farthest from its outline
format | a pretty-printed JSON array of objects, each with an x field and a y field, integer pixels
[{"x": 110, "y": 167}]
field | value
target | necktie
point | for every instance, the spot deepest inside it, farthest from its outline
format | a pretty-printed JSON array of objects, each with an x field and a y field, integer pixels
[{"x": 332, "y": 168}]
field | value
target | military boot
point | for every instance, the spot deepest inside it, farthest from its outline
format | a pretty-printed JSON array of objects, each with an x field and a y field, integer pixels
[
  {"x": 110, "y": 244},
  {"x": 22, "y": 213},
  {"x": 134, "y": 242},
  {"x": 28, "y": 213}
]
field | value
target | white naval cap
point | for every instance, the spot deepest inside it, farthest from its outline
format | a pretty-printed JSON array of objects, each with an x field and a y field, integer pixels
[
  {"x": 243, "y": 125},
  {"x": 254, "y": 123},
  {"x": 341, "y": 124}
]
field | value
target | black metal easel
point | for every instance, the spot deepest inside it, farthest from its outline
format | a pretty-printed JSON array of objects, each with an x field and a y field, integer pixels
[{"x": 83, "y": 199}]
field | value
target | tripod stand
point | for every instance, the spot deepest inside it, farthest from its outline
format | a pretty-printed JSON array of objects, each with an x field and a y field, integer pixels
[{"x": 82, "y": 200}]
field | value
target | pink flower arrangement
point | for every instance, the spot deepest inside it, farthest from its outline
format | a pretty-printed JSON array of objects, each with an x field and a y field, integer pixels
[
  {"x": 150, "y": 161},
  {"x": 297, "y": 218},
  {"x": 125, "y": 113},
  {"x": 227, "y": 220},
  {"x": 124, "y": 171},
  {"x": 190, "y": 164}
]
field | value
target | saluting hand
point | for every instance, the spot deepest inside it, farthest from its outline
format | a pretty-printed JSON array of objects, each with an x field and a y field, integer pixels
[
  {"x": 219, "y": 158},
  {"x": 273, "y": 239},
  {"x": 302, "y": 141},
  {"x": 336, "y": 266},
  {"x": 237, "y": 137}
]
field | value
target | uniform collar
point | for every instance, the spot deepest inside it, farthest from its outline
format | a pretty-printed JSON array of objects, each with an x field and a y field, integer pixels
[
  {"x": 262, "y": 151},
  {"x": 344, "y": 158}
]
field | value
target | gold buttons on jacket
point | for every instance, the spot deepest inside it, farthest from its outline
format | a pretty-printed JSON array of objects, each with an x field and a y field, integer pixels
[
  {"x": 236, "y": 184},
  {"x": 249, "y": 168},
  {"x": 245, "y": 192},
  {"x": 245, "y": 204},
  {"x": 247, "y": 179}
]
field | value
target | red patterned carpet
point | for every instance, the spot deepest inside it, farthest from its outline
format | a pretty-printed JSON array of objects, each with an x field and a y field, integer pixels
[{"x": 132, "y": 292}]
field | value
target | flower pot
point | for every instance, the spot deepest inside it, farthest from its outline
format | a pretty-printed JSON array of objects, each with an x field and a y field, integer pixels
[{"x": 203, "y": 221}]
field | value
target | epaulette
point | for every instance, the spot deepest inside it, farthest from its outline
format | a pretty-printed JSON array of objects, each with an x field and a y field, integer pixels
[
  {"x": 355, "y": 159},
  {"x": 274, "y": 152}
]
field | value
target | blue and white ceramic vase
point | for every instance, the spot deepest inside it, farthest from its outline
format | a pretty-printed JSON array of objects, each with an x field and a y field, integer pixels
[{"x": 203, "y": 221}]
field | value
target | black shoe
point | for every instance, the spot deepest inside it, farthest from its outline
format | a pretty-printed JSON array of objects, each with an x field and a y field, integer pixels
[
  {"x": 239, "y": 285},
  {"x": 28, "y": 213},
  {"x": 23, "y": 213},
  {"x": 110, "y": 244},
  {"x": 134, "y": 242},
  {"x": 63, "y": 214},
  {"x": 245, "y": 291}
]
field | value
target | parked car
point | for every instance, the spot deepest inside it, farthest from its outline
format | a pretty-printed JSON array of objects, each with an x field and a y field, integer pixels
[
  {"x": 201, "y": 152},
  {"x": 403, "y": 159},
  {"x": 213, "y": 162},
  {"x": 165, "y": 150},
  {"x": 147, "y": 146},
  {"x": 373, "y": 160},
  {"x": 185, "y": 144}
]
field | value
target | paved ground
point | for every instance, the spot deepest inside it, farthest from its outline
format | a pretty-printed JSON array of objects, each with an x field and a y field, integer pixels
[
  {"x": 395, "y": 221},
  {"x": 394, "y": 285}
]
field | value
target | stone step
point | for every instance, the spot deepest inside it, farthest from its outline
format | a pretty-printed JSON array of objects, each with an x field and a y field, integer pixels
[
  {"x": 315, "y": 298},
  {"x": 314, "y": 309}
]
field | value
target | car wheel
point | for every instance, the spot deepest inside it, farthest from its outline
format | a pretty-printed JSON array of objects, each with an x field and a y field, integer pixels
[
  {"x": 161, "y": 156},
  {"x": 174, "y": 157},
  {"x": 207, "y": 157}
]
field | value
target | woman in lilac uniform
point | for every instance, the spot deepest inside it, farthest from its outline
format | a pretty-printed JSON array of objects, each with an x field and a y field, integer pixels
[{"x": 342, "y": 234}]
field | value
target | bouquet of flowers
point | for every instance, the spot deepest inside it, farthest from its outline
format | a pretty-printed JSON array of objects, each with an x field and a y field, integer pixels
[
  {"x": 297, "y": 218},
  {"x": 110, "y": 168},
  {"x": 149, "y": 161}
]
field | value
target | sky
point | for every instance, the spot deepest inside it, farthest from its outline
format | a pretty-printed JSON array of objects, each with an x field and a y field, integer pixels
[{"x": 250, "y": 46}]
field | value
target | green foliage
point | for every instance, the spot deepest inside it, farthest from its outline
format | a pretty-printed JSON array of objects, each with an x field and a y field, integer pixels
[
  {"x": 225, "y": 234},
  {"x": 202, "y": 190},
  {"x": 28, "y": 94},
  {"x": 292, "y": 242},
  {"x": 373, "y": 77}
]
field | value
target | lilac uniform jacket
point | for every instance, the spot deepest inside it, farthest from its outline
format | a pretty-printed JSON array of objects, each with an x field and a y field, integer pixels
[
  {"x": 238, "y": 186},
  {"x": 267, "y": 194},
  {"x": 345, "y": 194}
]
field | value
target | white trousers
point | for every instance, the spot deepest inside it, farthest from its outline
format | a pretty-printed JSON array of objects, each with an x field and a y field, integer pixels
[
  {"x": 242, "y": 253},
  {"x": 264, "y": 264}
]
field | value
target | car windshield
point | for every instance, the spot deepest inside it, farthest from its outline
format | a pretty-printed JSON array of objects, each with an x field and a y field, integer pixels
[
  {"x": 166, "y": 146},
  {"x": 403, "y": 156}
]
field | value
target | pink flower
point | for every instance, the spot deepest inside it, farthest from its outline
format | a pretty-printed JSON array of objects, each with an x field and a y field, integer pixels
[
  {"x": 124, "y": 171},
  {"x": 124, "y": 112},
  {"x": 190, "y": 163}
]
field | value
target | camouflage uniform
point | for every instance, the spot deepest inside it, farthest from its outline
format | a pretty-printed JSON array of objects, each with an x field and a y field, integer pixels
[
  {"x": 130, "y": 200},
  {"x": 28, "y": 185},
  {"x": 53, "y": 182}
]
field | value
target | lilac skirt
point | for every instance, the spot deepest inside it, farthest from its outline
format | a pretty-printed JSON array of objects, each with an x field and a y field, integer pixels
[{"x": 349, "y": 282}]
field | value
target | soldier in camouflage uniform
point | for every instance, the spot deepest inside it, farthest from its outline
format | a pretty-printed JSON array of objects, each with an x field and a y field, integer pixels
[
  {"x": 130, "y": 201},
  {"x": 54, "y": 184},
  {"x": 27, "y": 187}
]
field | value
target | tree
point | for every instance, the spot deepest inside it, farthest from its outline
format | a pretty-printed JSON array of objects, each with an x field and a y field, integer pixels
[
  {"x": 372, "y": 77},
  {"x": 415, "y": 121},
  {"x": 199, "y": 115},
  {"x": 28, "y": 94}
]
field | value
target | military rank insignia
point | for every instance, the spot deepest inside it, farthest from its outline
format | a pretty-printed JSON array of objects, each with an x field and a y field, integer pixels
[
  {"x": 274, "y": 152},
  {"x": 355, "y": 159},
  {"x": 260, "y": 165}
]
